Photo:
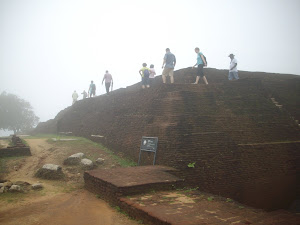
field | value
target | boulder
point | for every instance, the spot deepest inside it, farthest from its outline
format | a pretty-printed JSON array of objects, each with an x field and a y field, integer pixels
[
  {"x": 74, "y": 159},
  {"x": 1, "y": 185},
  {"x": 87, "y": 164},
  {"x": 100, "y": 161},
  {"x": 37, "y": 186},
  {"x": 15, "y": 188},
  {"x": 50, "y": 172}
]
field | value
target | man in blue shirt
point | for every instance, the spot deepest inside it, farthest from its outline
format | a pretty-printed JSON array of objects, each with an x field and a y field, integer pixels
[
  {"x": 201, "y": 62},
  {"x": 168, "y": 66}
]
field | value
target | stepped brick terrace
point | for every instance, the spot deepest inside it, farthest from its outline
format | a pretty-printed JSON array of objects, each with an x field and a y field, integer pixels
[{"x": 243, "y": 136}]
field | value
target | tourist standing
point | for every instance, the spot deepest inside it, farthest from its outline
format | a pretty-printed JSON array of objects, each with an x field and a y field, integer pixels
[
  {"x": 145, "y": 73},
  {"x": 108, "y": 81},
  {"x": 201, "y": 62},
  {"x": 92, "y": 89},
  {"x": 233, "y": 72},
  {"x": 84, "y": 94},
  {"x": 152, "y": 74},
  {"x": 168, "y": 66},
  {"x": 74, "y": 97}
]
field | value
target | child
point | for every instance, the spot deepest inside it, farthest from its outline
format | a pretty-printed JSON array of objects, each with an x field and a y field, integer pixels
[
  {"x": 145, "y": 73},
  {"x": 152, "y": 74}
]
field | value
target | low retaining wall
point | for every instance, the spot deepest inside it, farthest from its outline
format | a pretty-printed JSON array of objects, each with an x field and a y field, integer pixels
[{"x": 19, "y": 149}]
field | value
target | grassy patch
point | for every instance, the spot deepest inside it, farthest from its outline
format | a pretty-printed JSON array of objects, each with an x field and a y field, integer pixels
[
  {"x": 12, "y": 197},
  {"x": 4, "y": 161},
  {"x": 84, "y": 142}
]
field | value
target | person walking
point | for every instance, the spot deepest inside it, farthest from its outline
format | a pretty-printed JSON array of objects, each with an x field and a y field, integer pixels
[
  {"x": 92, "y": 89},
  {"x": 145, "y": 73},
  {"x": 233, "y": 72},
  {"x": 152, "y": 74},
  {"x": 74, "y": 97},
  {"x": 84, "y": 94},
  {"x": 168, "y": 66},
  {"x": 108, "y": 81},
  {"x": 201, "y": 62}
]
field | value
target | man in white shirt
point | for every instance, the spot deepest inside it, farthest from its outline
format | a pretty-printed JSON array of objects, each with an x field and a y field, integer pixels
[
  {"x": 233, "y": 72},
  {"x": 74, "y": 96},
  {"x": 108, "y": 81}
]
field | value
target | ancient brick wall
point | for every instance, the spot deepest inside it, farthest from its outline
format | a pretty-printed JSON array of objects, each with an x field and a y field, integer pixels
[
  {"x": 244, "y": 147},
  {"x": 18, "y": 149}
]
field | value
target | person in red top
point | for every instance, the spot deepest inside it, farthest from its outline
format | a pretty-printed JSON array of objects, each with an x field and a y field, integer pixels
[{"x": 108, "y": 81}]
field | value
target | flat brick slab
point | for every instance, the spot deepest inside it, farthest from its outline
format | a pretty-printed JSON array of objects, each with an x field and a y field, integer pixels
[
  {"x": 113, "y": 183},
  {"x": 134, "y": 176}
]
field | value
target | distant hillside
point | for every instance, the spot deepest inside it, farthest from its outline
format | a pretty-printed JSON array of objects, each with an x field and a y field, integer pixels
[{"x": 242, "y": 135}]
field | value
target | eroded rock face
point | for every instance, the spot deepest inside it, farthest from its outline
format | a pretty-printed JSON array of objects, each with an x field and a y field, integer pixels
[
  {"x": 74, "y": 159},
  {"x": 50, "y": 172},
  {"x": 87, "y": 164}
]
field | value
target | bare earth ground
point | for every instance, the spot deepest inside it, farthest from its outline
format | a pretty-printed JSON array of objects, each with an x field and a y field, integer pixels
[{"x": 60, "y": 202}]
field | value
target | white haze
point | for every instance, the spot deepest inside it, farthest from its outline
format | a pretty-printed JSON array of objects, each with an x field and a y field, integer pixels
[{"x": 49, "y": 48}]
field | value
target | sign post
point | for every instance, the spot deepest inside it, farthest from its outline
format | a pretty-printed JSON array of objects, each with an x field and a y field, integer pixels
[{"x": 148, "y": 144}]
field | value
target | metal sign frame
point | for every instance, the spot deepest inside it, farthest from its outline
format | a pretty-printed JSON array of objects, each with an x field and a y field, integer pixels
[{"x": 148, "y": 144}]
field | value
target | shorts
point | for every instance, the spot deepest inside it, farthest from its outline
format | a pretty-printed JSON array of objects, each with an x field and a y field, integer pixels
[
  {"x": 168, "y": 71},
  {"x": 145, "y": 80},
  {"x": 92, "y": 92},
  {"x": 200, "y": 71}
]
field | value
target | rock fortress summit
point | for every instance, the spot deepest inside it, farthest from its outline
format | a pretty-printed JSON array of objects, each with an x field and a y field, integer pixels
[{"x": 241, "y": 137}]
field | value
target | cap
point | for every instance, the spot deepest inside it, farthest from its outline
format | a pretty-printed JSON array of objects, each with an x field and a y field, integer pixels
[{"x": 231, "y": 55}]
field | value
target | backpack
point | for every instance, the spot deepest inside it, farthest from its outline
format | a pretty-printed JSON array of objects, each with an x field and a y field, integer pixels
[
  {"x": 204, "y": 58},
  {"x": 146, "y": 73}
]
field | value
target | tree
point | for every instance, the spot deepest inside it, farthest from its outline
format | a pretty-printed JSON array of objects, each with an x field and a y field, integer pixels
[{"x": 16, "y": 114}]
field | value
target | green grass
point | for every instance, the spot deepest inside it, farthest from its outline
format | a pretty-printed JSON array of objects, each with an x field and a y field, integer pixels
[
  {"x": 85, "y": 142},
  {"x": 3, "y": 163},
  {"x": 12, "y": 197}
]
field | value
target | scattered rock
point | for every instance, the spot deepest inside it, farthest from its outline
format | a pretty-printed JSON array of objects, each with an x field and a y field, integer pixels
[
  {"x": 50, "y": 171},
  {"x": 73, "y": 159},
  {"x": 7, "y": 184},
  {"x": 87, "y": 164},
  {"x": 100, "y": 161},
  {"x": 15, "y": 188},
  {"x": 37, "y": 186},
  {"x": 1, "y": 185}
]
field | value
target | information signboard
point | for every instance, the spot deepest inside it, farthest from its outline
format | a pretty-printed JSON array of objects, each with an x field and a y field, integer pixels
[{"x": 148, "y": 144}]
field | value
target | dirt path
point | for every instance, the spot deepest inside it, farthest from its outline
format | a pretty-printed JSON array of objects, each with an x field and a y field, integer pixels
[
  {"x": 53, "y": 205},
  {"x": 77, "y": 208}
]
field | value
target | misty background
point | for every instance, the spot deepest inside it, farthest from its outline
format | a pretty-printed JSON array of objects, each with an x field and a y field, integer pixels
[{"x": 48, "y": 49}]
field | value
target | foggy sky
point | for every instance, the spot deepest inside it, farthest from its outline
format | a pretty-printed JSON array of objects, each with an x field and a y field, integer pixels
[{"x": 48, "y": 49}]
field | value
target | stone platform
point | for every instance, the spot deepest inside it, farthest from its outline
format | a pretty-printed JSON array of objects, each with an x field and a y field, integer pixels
[{"x": 114, "y": 183}]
